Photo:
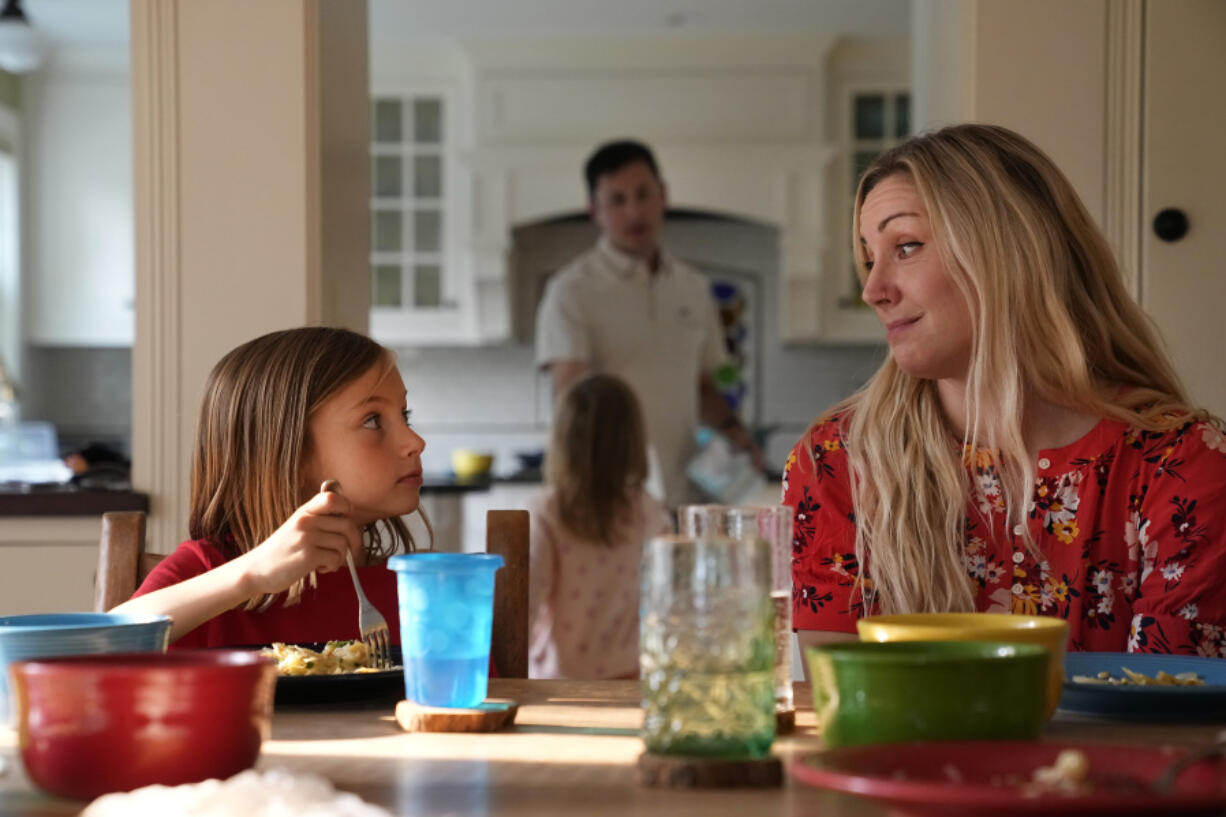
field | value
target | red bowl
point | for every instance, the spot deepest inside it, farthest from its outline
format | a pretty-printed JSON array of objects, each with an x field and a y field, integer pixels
[{"x": 89, "y": 725}]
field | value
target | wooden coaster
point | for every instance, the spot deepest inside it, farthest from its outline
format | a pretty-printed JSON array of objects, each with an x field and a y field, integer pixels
[
  {"x": 490, "y": 715},
  {"x": 679, "y": 772},
  {"x": 785, "y": 721}
]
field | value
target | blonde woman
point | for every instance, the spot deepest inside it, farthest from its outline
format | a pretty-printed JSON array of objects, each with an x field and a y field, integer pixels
[
  {"x": 1026, "y": 446},
  {"x": 281, "y": 414},
  {"x": 588, "y": 527}
]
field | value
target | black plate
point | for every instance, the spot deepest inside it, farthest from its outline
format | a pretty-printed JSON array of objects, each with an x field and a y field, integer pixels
[{"x": 350, "y": 688}]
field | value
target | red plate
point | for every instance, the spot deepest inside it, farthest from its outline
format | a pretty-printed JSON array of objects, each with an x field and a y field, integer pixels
[{"x": 981, "y": 778}]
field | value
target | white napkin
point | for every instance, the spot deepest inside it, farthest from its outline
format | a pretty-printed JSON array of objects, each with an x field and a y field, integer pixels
[{"x": 272, "y": 793}]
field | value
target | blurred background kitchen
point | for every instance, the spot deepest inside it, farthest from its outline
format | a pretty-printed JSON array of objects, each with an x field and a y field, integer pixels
[
  {"x": 480, "y": 115},
  {"x": 466, "y": 345}
]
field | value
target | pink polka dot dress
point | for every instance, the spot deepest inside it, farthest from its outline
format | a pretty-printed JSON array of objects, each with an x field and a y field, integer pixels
[{"x": 584, "y": 596}]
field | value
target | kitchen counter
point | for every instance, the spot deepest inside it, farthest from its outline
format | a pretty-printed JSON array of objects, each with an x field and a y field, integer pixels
[
  {"x": 532, "y": 476},
  {"x": 69, "y": 501},
  {"x": 450, "y": 484}
]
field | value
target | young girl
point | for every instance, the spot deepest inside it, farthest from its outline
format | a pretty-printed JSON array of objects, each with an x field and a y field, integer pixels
[
  {"x": 588, "y": 526},
  {"x": 282, "y": 414}
]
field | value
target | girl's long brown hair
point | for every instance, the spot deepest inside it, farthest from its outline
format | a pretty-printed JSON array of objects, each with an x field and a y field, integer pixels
[
  {"x": 252, "y": 438},
  {"x": 597, "y": 459}
]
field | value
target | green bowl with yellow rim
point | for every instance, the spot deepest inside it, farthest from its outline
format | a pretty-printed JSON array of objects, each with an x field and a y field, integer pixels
[
  {"x": 866, "y": 692},
  {"x": 1048, "y": 631}
]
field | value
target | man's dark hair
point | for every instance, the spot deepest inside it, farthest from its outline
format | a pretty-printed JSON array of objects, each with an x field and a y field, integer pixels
[{"x": 613, "y": 156}]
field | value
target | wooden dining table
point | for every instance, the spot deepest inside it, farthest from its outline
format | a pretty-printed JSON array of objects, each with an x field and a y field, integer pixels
[{"x": 572, "y": 750}]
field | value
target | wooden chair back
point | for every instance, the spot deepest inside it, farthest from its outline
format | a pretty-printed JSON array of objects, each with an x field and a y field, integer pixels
[
  {"x": 123, "y": 564},
  {"x": 506, "y": 533},
  {"x": 122, "y": 561}
]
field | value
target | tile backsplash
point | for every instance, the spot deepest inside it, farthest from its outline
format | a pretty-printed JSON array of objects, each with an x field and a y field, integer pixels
[
  {"x": 490, "y": 397},
  {"x": 85, "y": 392}
]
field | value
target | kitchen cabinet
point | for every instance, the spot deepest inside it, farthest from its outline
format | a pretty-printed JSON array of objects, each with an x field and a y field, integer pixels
[
  {"x": 870, "y": 112},
  {"x": 48, "y": 564},
  {"x": 501, "y": 496},
  {"x": 1182, "y": 285},
  {"x": 49, "y": 547},
  {"x": 79, "y": 267},
  {"x": 741, "y": 125},
  {"x": 419, "y": 283}
]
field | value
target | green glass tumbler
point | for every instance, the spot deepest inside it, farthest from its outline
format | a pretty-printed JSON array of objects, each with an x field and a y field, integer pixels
[
  {"x": 772, "y": 523},
  {"x": 706, "y": 647}
]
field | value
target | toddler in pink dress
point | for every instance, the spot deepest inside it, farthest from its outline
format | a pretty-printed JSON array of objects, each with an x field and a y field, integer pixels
[{"x": 588, "y": 526}]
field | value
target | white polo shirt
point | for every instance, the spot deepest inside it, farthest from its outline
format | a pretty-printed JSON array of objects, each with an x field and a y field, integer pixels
[{"x": 657, "y": 332}]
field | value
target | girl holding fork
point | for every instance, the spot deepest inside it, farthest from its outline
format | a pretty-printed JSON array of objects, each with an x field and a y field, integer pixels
[{"x": 281, "y": 415}]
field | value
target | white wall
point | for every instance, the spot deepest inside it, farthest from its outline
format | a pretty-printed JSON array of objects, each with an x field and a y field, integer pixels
[
  {"x": 1038, "y": 67},
  {"x": 1060, "y": 49},
  {"x": 78, "y": 257},
  {"x": 10, "y": 243},
  {"x": 232, "y": 168},
  {"x": 940, "y": 83}
]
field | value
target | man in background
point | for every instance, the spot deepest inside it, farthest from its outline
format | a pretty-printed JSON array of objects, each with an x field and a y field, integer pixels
[{"x": 626, "y": 307}]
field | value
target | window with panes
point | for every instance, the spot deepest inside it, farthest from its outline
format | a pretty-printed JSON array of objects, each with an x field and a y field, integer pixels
[
  {"x": 878, "y": 120},
  {"x": 407, "y": 186}
]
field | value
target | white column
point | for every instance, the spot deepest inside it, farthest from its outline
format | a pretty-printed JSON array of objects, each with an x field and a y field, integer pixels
[
  {"x": 1045, "y": 80},
  {"x": 251, "y": 197},
  {"x": 941, "y": 83}
]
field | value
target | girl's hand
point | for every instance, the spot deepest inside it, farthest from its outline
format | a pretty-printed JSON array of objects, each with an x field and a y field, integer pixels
[{"x": 314, "y": 538}]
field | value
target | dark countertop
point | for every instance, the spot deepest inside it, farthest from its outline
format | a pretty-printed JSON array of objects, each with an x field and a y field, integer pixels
[
  {"x": 69, "y": 501},
  {"x": 448, "y": 484}
]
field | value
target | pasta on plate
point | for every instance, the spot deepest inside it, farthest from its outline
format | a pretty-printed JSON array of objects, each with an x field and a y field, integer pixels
[
  {"x": 1141, "y": 679},
  {"x": 336, "y": 658}
]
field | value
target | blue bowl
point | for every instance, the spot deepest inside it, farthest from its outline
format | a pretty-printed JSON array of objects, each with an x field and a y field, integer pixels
[{"x": 48, "y": 634}]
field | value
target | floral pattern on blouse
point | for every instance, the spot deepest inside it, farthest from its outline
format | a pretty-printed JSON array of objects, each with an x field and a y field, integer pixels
[{"x": 1128, "y": 529}]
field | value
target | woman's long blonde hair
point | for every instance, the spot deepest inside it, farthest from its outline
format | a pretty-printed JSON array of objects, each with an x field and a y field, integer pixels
[
  {"x": 1051, "y": 320},
  {"x": 597, "y": 458},
  {"x": 252, "y": 438}
]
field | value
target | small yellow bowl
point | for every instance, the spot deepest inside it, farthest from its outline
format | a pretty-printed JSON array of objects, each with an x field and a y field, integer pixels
[
  {"x": 468, "y": 464},
  {"x": 1048, "y": 631}
]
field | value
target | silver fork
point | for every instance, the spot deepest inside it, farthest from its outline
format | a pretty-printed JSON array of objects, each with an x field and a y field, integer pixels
[{"x": 371, "y": 623}]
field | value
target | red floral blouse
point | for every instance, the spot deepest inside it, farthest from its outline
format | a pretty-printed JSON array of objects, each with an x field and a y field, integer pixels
[{"x": 1132, "y": 525}]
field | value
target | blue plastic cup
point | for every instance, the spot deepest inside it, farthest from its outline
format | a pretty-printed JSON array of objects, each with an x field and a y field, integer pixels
[{"x": 446, "y": 616}]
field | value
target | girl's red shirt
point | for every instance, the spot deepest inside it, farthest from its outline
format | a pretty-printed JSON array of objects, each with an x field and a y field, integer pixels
[{"x": 326, "y": 612}]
